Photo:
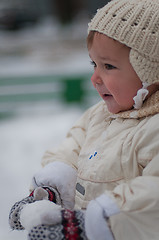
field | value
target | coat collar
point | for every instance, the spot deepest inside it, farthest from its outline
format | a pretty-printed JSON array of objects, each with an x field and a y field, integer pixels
[{"x": 150, "y": 107}]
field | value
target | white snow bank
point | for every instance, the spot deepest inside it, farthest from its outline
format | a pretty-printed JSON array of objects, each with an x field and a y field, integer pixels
[{"x": 23, "y": 140}]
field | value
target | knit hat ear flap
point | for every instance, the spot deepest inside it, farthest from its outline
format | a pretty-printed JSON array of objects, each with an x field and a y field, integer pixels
[{"x": 146, "y": 69}]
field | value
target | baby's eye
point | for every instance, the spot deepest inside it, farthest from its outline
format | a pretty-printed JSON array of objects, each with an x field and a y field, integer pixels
[
  {"x": 93, "y": 63},
  {"x": 109, "y": 67}
]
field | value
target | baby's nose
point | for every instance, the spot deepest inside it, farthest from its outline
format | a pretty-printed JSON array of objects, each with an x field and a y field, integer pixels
[{"x": 96, "y": 79}]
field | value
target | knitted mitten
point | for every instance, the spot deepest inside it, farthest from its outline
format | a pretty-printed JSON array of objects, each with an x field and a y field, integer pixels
[
  {"x": 38, "y": 194},
  {"x": 70, "y": 228},
  {"x": 14, "y": 215},
  {"x": 59, "y": 176}
]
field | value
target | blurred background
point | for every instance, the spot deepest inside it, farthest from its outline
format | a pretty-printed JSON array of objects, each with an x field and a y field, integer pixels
[{"x": 44, "y": 87}]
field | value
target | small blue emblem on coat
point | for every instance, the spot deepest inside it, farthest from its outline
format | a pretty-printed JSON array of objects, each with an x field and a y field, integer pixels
[{"x": 93, "y": 155}]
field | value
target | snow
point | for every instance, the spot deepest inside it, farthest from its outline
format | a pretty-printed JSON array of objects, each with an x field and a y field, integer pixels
[
  {"x": 24, "y": 137},
  {"x": 23, "y": 141},
  {"x": 40, "y": 212}
]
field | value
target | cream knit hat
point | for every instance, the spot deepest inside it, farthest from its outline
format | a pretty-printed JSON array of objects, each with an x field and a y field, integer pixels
[{"x": 134, "y": 23}]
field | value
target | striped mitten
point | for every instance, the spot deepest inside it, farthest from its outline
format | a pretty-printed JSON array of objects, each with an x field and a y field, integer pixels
[
  {"x": 38, "y": 194},
  {"x": 70, "y": 228}
]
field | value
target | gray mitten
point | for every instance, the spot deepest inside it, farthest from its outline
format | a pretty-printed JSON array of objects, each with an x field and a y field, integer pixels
[
  {"x": 70, "y": 226},
  {"x": 38, "y": 194},
  {"x": 14, "y": 215}
]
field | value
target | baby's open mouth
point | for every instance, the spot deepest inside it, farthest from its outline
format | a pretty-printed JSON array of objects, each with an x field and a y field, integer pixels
[{"x": 107, "y": 95}]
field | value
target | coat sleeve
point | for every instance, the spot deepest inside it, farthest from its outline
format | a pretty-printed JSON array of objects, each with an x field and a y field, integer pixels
[
  {"x": 138, "y": 198},
  {"x": 139, "y": 209}
]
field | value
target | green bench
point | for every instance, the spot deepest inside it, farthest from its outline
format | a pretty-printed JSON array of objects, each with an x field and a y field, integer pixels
[{"x": 68, "y": 89}]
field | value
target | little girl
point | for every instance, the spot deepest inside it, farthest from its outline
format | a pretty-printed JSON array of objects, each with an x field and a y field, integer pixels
[{"x": 102, "y": 183}]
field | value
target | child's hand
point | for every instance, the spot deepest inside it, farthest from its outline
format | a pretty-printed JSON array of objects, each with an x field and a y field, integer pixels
[
  {"x": 61, "y": 177},
  {"x": 40, "y": 212},
  {"x": 38, "y": 194},
  {"x": 57, "y": 224},
  {"x": 14, "y": 215},
  {"x": 96, "y": 218},
  {"x": 71, "y": 226}
]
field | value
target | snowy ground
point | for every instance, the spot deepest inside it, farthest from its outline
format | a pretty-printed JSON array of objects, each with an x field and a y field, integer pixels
[
  {"x": 23, "y": 141},
  {"x": 46, "y": 49}
]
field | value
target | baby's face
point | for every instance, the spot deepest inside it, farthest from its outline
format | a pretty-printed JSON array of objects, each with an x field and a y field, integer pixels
[{"x": 114, "y": 78}]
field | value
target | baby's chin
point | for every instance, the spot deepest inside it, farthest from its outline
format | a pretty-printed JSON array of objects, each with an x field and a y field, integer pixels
[{"x": 114, "y": 108}]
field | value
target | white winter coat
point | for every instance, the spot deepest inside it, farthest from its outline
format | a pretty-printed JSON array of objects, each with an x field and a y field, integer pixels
[{"x": 118, "y": 155}]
